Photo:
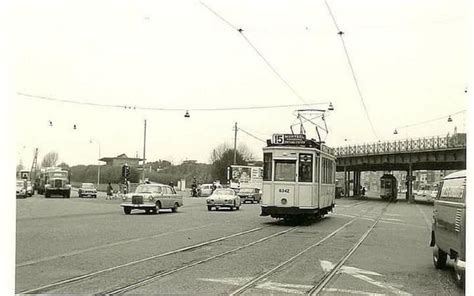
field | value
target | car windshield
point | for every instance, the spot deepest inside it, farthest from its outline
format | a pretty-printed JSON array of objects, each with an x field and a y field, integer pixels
[
  {"x": 224, "y": 192},
  {"x": 58, "y": 175},
  {"x": 88, "y": 185},
  {"x": 247, "y": 190},
  {"x": 148, "y": 189}
]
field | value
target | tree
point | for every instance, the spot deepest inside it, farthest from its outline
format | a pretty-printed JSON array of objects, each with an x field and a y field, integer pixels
[
  {"x": 223, "y": 156},
  {"x": 50, "y": 159},
  {"x": 20, "y": 166}
]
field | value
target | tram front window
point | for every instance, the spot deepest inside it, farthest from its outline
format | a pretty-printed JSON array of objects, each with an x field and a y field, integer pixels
[{"x": 285, "y": 170}]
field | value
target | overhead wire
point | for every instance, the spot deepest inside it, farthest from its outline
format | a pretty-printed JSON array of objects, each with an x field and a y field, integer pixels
[
  {"x": 249, "y": 134},
  {"x": 341, "y": 33},
  {"x": 259, "y": 53},
  {"x": 430, "y": 120},
  {"x": 136, "y": 107}
]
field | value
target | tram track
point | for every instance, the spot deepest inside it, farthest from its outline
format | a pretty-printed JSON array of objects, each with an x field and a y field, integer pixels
[
  {"x": 149, "y": 279},
  {"x": 323, "y": 282},
  {"x": 89, "y": 275}
]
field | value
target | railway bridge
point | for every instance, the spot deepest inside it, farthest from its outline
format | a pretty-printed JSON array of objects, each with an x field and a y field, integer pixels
[{"x": 430, "y": 153}]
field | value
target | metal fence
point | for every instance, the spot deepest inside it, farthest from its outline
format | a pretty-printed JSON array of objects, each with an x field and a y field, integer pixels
[{"x": 406, "y": 145}]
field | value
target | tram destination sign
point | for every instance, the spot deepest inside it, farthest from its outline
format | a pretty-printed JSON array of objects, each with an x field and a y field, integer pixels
[{"x": 288, "y": 139}]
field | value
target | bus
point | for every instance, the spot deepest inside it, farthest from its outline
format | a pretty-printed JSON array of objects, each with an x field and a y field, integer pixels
[{"x": 299, "y": 177}]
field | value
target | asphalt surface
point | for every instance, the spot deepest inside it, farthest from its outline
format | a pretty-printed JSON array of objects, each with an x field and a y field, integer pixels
[{"x": 89, "y": 246}]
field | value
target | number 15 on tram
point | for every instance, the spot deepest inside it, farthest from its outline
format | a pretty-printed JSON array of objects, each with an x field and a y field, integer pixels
[{"x": 298, "y": 177}]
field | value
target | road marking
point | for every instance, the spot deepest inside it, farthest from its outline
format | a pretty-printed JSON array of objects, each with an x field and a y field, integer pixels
[
  {"x": 355, "y": 292},
  {"x": 389, "y": 219},
  {"x": 353, "y": 216},
  {"x": 388, "y": 214},
  {"x": 284, "y": 288},
  {"x": 328, "y": 266},
  {"x": 236, "y": 281},
  {"x": 403, "y": 224}
]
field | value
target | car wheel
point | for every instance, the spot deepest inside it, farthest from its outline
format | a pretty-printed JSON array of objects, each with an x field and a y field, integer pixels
[
  {"x": 127, "y": 210},
  {"x": 237, "y": 208},
  {"x": 157, "y": 209},
  {"x": 174, "y": 209},
  {"x": 459, "y": 276},
  {"x": 80, "y": 195},
  {"x": 209, "y": 208},
  {"x": 439, "y": 257}
]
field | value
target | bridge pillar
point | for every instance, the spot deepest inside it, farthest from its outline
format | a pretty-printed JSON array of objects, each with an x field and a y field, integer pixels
[
  {"x": 409, "y": 195},
  {"x": 346, "y": 182},
  {"x": 356, "y": 183}
]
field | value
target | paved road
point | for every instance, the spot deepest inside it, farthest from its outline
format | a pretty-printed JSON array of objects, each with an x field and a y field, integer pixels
[{"x": 81, "y": 245}]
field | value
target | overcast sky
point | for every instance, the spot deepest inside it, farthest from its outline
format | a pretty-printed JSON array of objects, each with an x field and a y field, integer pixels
[{"x": 411, "y": 59}]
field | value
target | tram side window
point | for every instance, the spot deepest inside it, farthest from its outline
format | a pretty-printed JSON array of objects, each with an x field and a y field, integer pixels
[
  {"x": 305, "y": 168},
  {"x": 324, "y": 171},
  {"x": 317, "y": 170},
  {"x": 285, "y": 170},
  {"x": 267, "y": 166}
]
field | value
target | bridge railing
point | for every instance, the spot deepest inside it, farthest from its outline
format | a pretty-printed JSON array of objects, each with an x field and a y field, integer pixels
[{"x": 406, "y": 145}]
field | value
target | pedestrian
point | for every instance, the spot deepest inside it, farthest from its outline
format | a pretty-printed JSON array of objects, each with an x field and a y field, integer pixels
[{"x": 110, "y": 190}]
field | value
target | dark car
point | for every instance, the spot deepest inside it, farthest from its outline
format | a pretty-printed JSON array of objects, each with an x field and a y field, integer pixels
[{"x": 252, "y": 195}]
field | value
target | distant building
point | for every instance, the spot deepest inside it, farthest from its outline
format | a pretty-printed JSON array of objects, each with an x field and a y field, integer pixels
[{"x": 120, "y": 160}]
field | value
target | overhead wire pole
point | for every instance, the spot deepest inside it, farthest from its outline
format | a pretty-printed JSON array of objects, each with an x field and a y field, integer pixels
[
  {"x": 241, "y": 31},
  {"x": 144, "y": 149},
  {"x": 235, "y": 143},
  {"x": 341, "y": 33}
]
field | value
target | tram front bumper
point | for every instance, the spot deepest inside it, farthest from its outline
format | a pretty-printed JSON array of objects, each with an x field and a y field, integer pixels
[{"x": 281, "y": 212}]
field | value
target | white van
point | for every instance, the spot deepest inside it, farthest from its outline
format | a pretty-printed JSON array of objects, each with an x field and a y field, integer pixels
[{"x": 448, "y": 234}]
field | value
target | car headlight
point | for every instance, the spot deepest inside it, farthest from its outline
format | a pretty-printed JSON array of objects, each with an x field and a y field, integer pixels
[
  {"x": 210, "y": 201},
  {"x": 68, "y": 185}
]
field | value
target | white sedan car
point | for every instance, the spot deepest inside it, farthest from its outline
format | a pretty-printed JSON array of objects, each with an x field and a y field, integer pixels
[
  {"x": 223, "y": 198},
  {"x": 152, "y": 198}
]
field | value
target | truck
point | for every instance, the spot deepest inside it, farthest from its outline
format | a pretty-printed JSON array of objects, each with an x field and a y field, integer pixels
[{"x": 54, "y": 181}]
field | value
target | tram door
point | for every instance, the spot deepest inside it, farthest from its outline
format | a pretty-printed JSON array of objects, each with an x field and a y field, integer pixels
[
  {"x": 284, "y": 182},
  {"x": 305, "y": 186}
]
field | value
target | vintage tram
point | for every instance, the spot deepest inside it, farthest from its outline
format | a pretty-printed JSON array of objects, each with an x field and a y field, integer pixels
[
  {"x": 298, "y": 177},
  {"x": 388, "y": 187}
]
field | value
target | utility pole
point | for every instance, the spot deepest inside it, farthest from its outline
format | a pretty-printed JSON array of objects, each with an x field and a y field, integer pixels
[
  {"x": 235, "y": 143},
  {"x": 144, "y": 149}
]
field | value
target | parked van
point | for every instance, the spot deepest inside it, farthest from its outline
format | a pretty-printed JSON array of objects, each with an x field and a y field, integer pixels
[{"x": 448, "y": 234}]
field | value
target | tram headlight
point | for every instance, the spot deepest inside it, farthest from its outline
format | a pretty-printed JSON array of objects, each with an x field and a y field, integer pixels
[{"x": 284, "y": 201}]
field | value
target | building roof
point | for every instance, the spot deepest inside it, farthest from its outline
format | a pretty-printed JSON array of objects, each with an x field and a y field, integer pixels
[{"x": 121, "y": 156}]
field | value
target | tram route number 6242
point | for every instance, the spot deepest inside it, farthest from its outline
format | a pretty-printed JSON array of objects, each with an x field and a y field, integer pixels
[{"x": 284, "y": 190}]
